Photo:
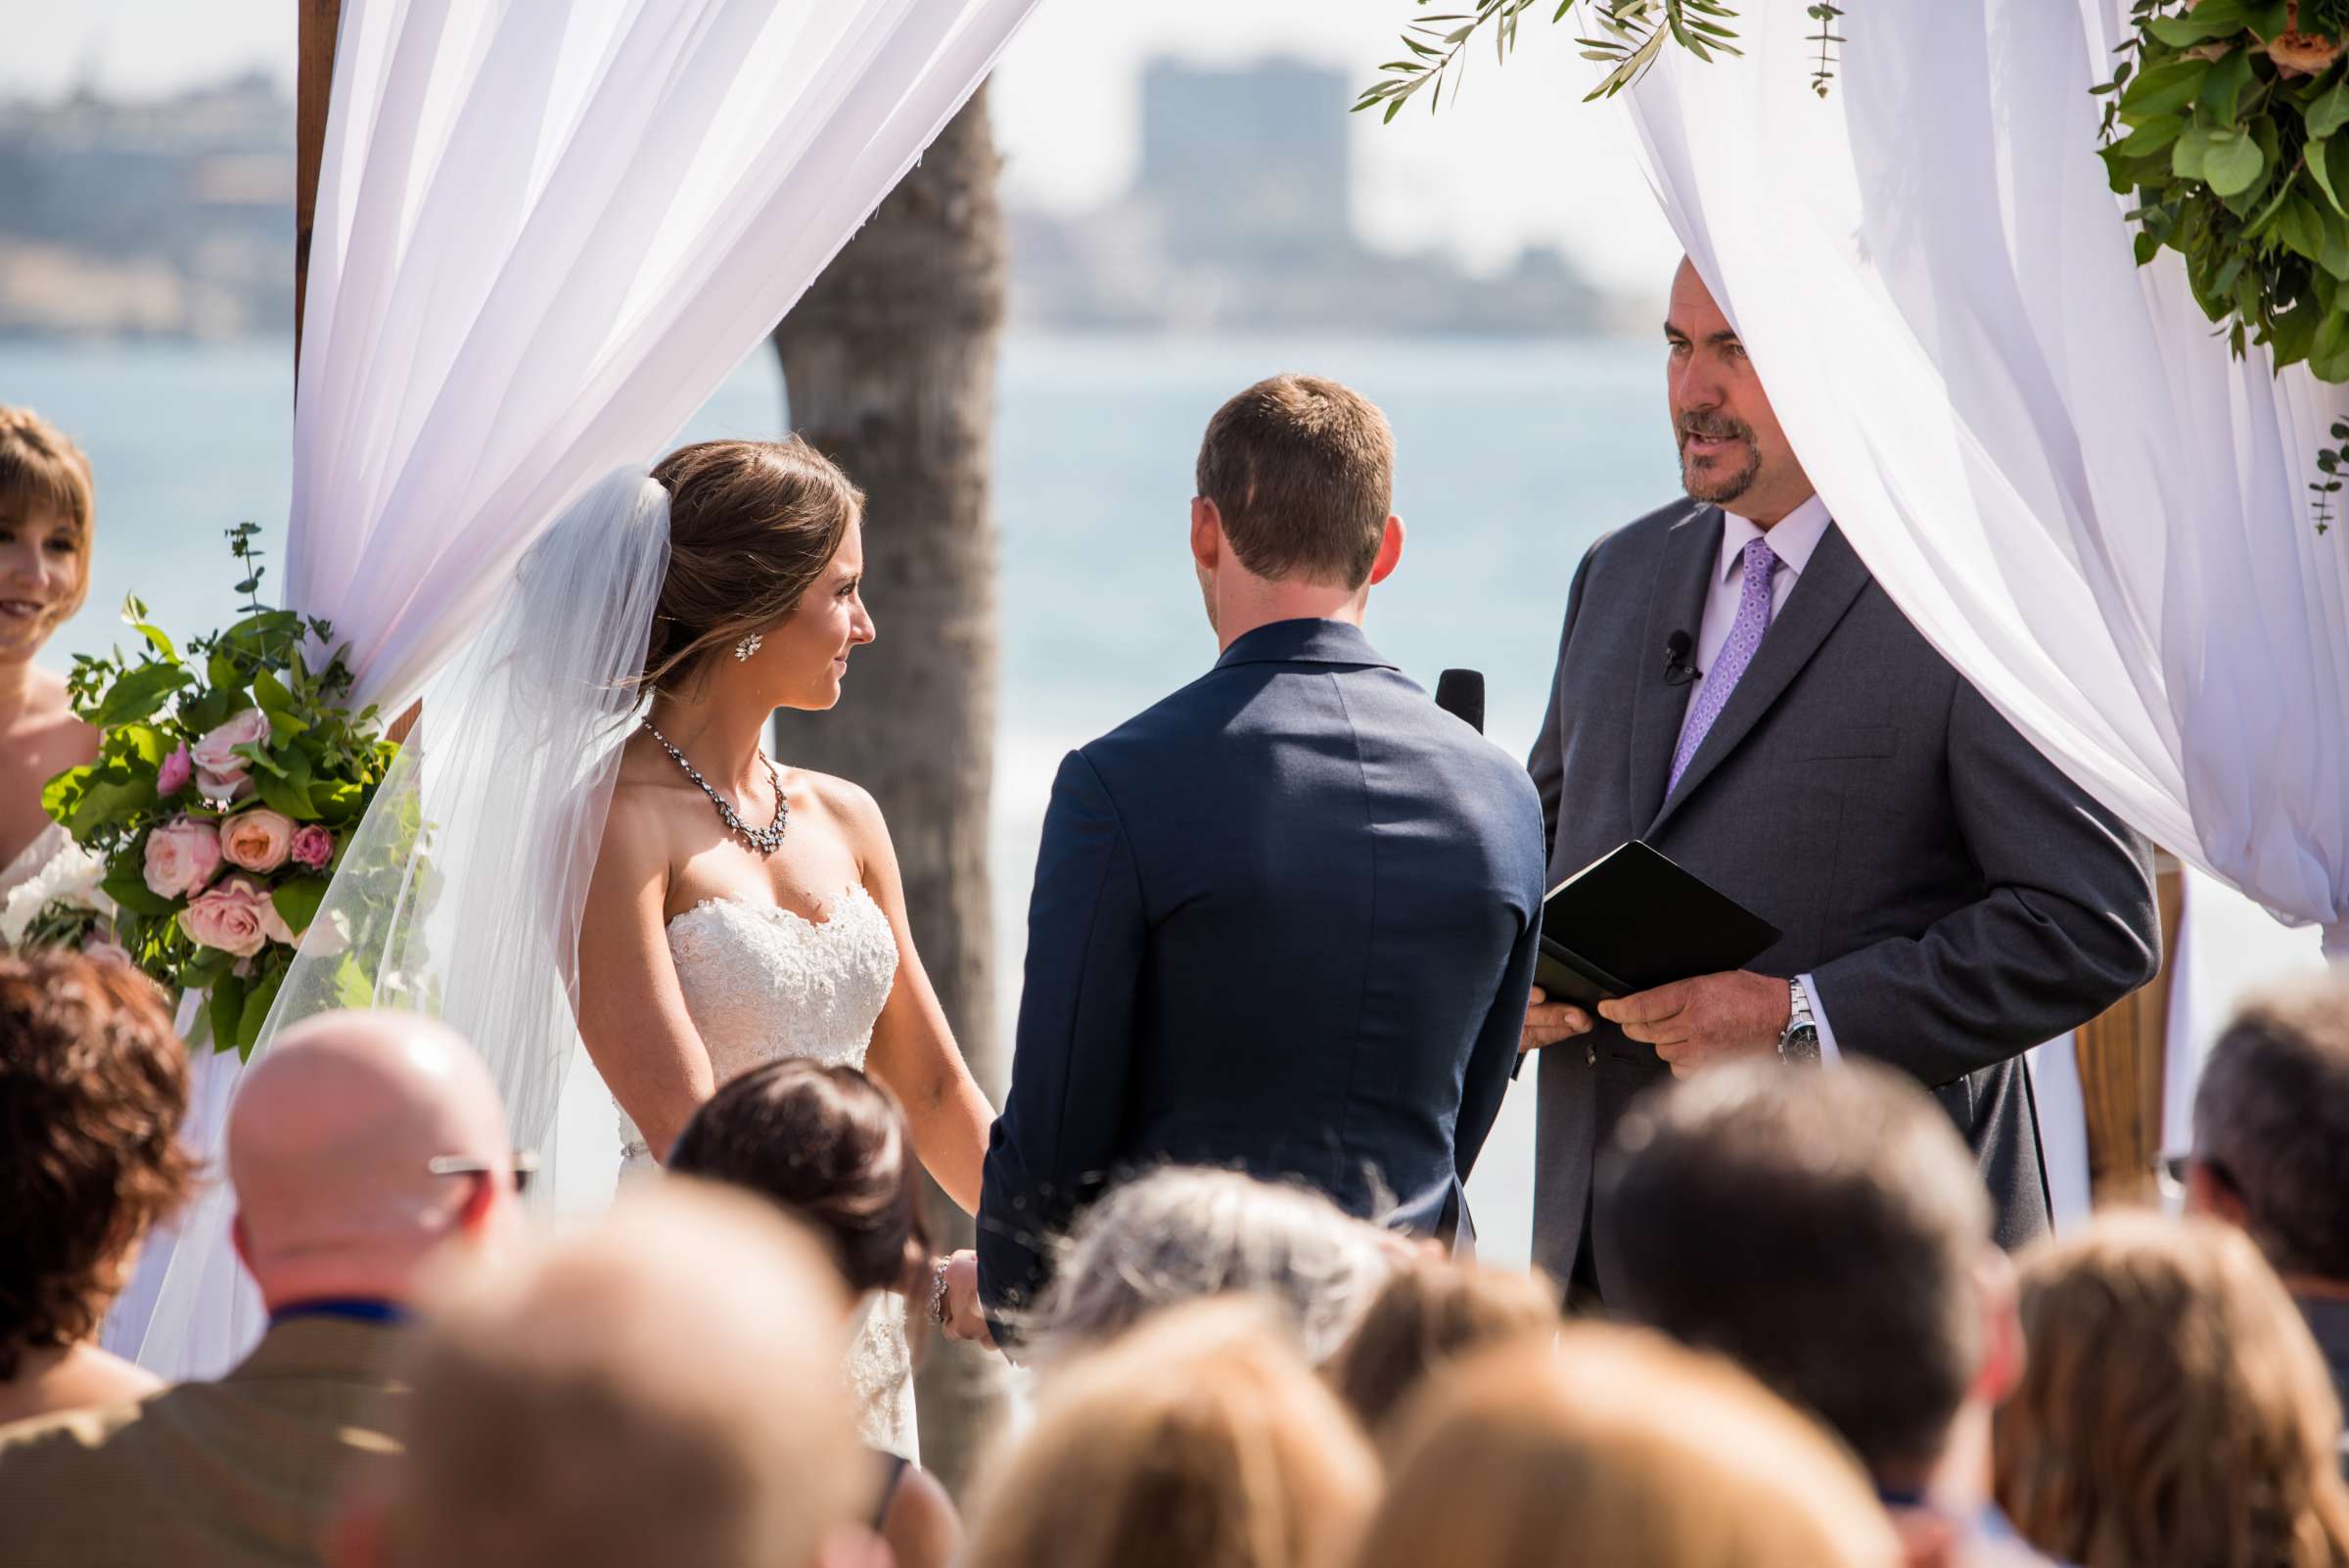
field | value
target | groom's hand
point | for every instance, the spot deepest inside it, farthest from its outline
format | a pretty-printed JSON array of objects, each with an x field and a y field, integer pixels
[
  {"x": 1546, "y": 1022},
  {"x": 1701, "y": 1023},
  {"x": 965, "y": 1320}
]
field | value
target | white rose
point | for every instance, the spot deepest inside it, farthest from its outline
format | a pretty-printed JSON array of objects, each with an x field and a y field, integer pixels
[{"x": 70, "y": 877}]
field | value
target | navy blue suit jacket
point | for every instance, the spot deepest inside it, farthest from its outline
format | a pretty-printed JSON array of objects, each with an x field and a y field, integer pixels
[{"x": 1283, "y": 921}]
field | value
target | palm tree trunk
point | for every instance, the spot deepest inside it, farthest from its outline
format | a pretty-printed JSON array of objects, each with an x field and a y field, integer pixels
[{"x": 888, "y": 366}]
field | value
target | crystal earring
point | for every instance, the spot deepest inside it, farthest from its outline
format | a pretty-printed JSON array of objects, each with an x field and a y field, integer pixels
[{"x": 748, "y": 646}]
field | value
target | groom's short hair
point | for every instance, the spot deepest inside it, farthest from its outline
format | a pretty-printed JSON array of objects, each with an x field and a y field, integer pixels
[{"x": 1303, "y": 472}]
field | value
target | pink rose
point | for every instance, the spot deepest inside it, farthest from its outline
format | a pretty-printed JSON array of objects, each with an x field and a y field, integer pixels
[
  {"x": 313, "y": 847},
  {"x": 257, "y": 840},
  {"x": 181, "y": 857},
  {"x": 107, "y": 952},
  {"x": 234, "y": 917},
  {"x": 220, "y": 772},
  {"x": 173, "y": 775}
]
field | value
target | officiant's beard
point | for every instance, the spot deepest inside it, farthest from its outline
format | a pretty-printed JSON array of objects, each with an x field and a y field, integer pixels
[{"x": 1705, "y": 481}]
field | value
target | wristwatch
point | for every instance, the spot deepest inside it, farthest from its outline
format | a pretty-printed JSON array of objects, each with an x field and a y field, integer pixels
[{"x": 1799, "y": 1044}]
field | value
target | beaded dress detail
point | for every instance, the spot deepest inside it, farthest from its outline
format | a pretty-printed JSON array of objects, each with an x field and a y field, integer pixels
[{"x": 761, "y": 984}]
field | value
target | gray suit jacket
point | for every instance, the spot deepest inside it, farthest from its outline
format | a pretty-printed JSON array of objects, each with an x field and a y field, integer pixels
[{"x": 1956, "y": 898}]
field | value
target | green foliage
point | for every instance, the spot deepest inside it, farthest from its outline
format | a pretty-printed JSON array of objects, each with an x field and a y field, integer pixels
[
  {"x": 2233, "y": 142},
  {"x": 1624, "y": 35},
  {"x": 317, "y": 762}
]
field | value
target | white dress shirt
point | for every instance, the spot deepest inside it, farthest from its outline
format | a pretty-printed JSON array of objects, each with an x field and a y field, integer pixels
[{"x": 1793, "y": 539}]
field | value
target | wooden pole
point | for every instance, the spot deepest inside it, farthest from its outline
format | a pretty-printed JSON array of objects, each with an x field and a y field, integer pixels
[
  {"x": 2124, "y": 1065},
  {"x": 318, "y": 23}
]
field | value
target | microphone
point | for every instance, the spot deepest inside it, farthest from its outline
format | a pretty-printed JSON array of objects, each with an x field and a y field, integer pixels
[
  {"x": 1678, "y": 670},
  {"x": 1461, "y": 694}
]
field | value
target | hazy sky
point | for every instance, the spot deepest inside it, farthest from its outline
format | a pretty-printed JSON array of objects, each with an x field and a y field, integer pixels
[{"x": 1521, "y": 158}]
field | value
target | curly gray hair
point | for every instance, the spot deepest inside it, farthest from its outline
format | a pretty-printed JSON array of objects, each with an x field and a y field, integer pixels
[{"x": 1181, "y": 1233}]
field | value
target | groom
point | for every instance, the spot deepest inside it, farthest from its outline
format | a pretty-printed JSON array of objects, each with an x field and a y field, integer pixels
[{"x": 1285, "y": 920}]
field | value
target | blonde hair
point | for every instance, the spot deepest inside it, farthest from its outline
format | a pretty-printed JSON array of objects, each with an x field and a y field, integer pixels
[
  {"x": 1616, "y": 1447},
  {"x": 751, "y": 524},
  {"x": 657, "y": 1390},
  {"x": 1198, "y": 1440},
  {"x": 41, "y": 468},
  {"x": 1432, "y": 1311},
  {"x": 2174, "y": 1410}
]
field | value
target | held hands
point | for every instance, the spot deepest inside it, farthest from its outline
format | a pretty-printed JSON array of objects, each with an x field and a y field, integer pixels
[
  {"x": 964, "y": 1321},
  {"x": 1546, "y": 1022},
  {"x": 1705, "y": 1022}
]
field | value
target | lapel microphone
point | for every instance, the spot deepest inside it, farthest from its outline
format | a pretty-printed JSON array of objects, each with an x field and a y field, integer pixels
[
  {"x": 1678, "y": 670},
  {"x": 1461, "y": 694}
]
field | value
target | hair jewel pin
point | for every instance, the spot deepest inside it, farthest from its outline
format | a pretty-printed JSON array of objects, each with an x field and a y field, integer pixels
[{"x": 748, "y": 646}]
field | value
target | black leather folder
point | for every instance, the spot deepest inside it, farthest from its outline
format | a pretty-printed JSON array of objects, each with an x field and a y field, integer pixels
[{"x": 1633, "y": 921}]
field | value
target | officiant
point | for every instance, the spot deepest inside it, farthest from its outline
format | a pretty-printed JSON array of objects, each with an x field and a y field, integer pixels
[{"x": 1734, "y": 688}]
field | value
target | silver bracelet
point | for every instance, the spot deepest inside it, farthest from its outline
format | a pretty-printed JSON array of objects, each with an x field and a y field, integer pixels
[{"x": 938, "y": 1290}]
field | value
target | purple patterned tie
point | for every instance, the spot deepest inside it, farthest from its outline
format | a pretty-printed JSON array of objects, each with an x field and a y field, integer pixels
[{"x": 1745, "y": 635}]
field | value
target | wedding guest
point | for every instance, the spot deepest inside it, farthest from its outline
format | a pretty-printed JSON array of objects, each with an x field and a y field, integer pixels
[
  {"x": 93, "y": 1088},
  {"x": 2272, "y": 1147},
  {"x": 1183, "y": 1233},
  {"x": 659, "y": 1390},
  {"x": 830, "y": 1146},
  {"x": 1430, "y": 1313},
  {"x": 1828, "y": 1231},
  {"x": 1734, "y": 688},
  {"x": 1612, "y": 1448},
  {"x": 2174, "y": 1412},
  {"x": 360, "y": 1146},
  {"x": 47, "y": 517},
  {"x": 1284, "y": 920},
  {"x": 1200, "y": 1438}
]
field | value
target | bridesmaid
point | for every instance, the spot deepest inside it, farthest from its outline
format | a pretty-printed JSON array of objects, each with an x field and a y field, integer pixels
[{"x": 47, "y": 515}]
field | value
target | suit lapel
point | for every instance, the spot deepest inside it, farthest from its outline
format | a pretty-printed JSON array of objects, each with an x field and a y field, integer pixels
[
  {"x": 1826, "y": 590},
  {"x": 1676, "y": 603}
]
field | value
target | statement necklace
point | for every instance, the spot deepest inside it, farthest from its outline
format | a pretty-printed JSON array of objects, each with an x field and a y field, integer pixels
[{"x": 766, "y": 839}]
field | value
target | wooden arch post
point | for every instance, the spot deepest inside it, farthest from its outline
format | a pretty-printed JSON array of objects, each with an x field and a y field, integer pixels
[{"x": 319, "y": 25}]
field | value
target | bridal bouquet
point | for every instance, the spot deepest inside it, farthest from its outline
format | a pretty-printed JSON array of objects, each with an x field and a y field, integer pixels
[{"x": 227, "y": 782}]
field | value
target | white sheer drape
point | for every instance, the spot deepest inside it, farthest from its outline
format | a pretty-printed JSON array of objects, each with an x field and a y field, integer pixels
[
  {"x": 2042, "y": 451},
  {"x": 545, "y": 234}
]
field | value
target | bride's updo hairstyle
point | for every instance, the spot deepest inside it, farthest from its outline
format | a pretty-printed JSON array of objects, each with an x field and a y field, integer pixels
[{"x": 751, "y": 525}]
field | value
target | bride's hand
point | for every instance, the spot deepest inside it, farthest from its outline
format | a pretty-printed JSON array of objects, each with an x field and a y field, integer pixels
[{"x": 964, "y": 1320}]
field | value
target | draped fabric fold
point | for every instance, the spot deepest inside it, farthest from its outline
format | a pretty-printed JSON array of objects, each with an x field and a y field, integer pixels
[
  {"x": 2044, "y": 453},
  {"x": 544, "y": 236}
]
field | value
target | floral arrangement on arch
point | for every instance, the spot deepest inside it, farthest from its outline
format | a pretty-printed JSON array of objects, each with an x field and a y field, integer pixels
[{"x": 227, "y": 782}]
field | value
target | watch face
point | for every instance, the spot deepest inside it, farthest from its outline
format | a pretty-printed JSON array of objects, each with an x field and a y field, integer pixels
[{"x": 1801, "y": 1044}]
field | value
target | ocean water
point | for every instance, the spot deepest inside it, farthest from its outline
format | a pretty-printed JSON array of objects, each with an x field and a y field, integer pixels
[{"x": 1512, "y": 458}]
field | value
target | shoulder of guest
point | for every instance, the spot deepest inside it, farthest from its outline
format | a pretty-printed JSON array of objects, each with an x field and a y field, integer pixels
[{"x": 25, "y": 1445}]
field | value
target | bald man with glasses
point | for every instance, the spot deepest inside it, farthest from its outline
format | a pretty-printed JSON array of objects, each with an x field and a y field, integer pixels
[{"x": 361, "y": 1147}]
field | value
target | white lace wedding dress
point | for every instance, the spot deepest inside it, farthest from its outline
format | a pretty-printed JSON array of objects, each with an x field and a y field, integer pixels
[{"x": 762, "y": 982}]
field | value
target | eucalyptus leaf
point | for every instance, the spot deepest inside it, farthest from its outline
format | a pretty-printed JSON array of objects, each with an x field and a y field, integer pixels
[
  {"x": 259, "y": 1000},
  {"x": 129, "y": 890},
  {"x": 2232, "y": 164},
  {"x": 139, "y": 694},
  {"x": 106, "y": 800},
  {"x": 297, "y": 899},
  {"x": 283, "y": 797},
  {"x": 2328, "y": 113},
  {"x": 2150, "y": 137},
  {"x": 2223, "y": 89},
  {"x": 227, "y": 1010}
]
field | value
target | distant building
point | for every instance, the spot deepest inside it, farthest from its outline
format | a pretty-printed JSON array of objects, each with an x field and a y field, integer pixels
[
  {"x": 1241, "y": 217},
  {"x": 171, "y": 216}
]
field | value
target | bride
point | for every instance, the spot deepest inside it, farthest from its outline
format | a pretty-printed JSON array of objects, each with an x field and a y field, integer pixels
[{"x": 742, "y": 910}]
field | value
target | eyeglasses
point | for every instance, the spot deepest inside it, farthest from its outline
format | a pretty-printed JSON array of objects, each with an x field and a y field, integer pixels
[{"x": 525, "y": 1164}]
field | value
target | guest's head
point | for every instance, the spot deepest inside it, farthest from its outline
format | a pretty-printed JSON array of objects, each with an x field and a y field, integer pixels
[
  {"x": 1828, "y": 1231},
  {"x": 1199, "y": 1439},
  {"x": 1293, "y": 517},
  {"x": 765, "y": 557},
  {"x": 831, "y": 1146},
  {"x": 1614, "y": 1448},
  {"x": 2176, "y": 1412},
  {"x": 659, "y": 1390},
  {"x": 93, "y": 1088},
  {"x": 1181, "y": 1233},
  {"x": 1732, "y": 452},
  {"x": 1431, "y": 1313},
  {"x": 2271, "y": 1129},
  {"x": 359, "y": 1145},
  {"x": 48, "y": 514}
]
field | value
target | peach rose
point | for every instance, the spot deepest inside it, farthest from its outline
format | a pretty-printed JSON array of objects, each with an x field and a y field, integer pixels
[
  {"x": 181, "y": 857},
  {"x": 257, "y": 840},
  {"x": 220, "y": 773},
  {"x": 234, "y": 917},
  {"x": 2304, "y": 54}
]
